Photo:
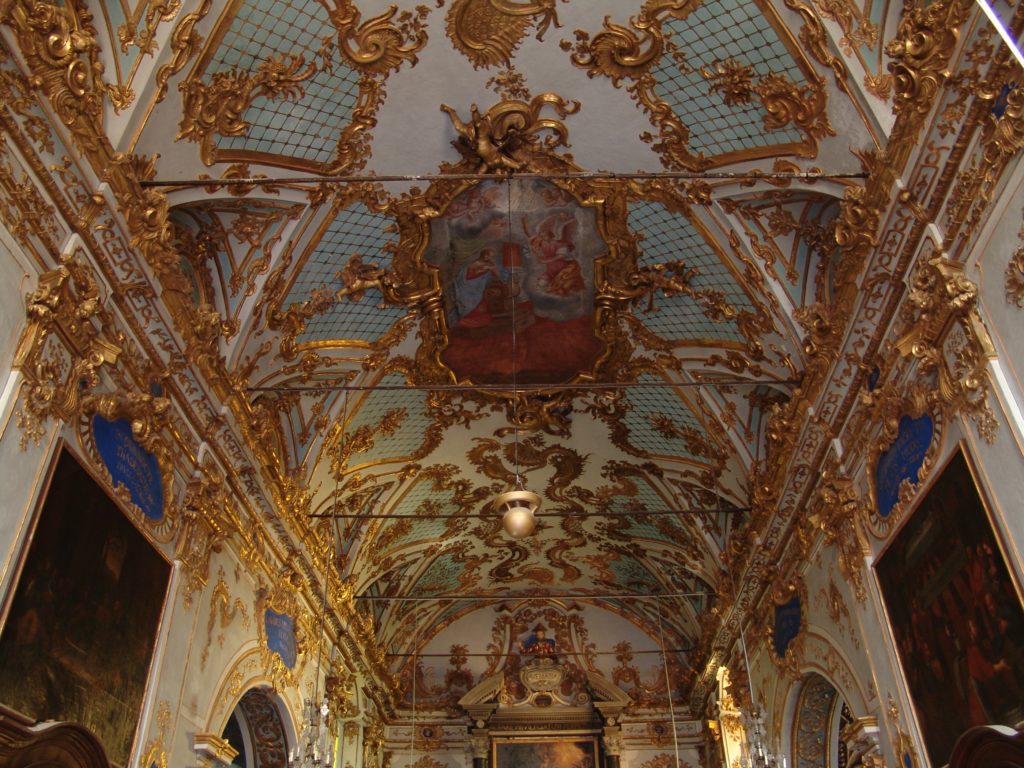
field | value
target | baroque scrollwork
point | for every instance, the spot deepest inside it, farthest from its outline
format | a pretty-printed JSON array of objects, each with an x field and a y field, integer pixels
[
  {"x": 632, "y": 53},
  {"x": 59, "y": 45},
  {"x": 1015, "y": 274},
  {"x": 840, "y": 515},
  {"x": 218, "y": 107},
  {"x": 924, "y": 41},
  {"x": 60, "y": 378},
  {"x": 487, "y": 32},
  {"x": 501, "y": 139},
  {"x": 943, "y": 331}
]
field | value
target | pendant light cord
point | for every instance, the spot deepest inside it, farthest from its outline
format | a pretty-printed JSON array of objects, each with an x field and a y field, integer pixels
[
  {"x": 515, "y": 360},
  {"x": 668, "y": 681}
]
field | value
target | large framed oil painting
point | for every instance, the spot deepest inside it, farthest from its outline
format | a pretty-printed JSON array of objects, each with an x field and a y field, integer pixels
[
  {"x": 580, "y": 752},
  {"x": 516, "y": 262},
  {"x": 79, "y": 634},
  {"x": 955, "y": 613}
]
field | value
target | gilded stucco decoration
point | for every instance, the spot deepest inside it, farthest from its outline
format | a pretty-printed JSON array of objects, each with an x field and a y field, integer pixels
[
  {"x": 362, "y": 55},
  {"x": 943, "y": 331},
  {"x": 68, "y": 342},
  {"x": 783, "y": 590},
  {"x": 281, "y": 599},
  {"x": 890, "y": 405},
  {"x": 208, "y": 521},
  {"x": 59, "y": 44},
  {"x": 487, "y": 32},
  {"x": 920, "y": 51},
  {"x": 651, "y": 49},
  {"x": 1014, "y": 274},
  {"x": 154, "y": 753},
  {"x": 840, "y": 517},
  {"x": 223, "y": 611}
]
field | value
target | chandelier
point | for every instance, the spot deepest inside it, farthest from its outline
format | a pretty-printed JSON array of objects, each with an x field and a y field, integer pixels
[
  {"x": 758, "y": 754},
  {"x": 315, "y": 747}
]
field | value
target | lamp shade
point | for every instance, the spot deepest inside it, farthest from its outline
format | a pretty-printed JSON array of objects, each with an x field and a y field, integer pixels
[{"x": 517, "y": 509}]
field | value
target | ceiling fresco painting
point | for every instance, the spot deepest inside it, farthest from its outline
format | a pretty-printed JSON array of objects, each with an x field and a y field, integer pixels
[{"x": 435, "y": 249}]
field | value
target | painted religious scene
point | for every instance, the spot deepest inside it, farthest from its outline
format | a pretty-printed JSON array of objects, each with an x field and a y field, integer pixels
[
  {"x": 516, "y": 262},
  {"x": 955, "y": 614}
]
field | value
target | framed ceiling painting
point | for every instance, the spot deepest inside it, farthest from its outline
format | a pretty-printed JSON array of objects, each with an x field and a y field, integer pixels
[
  {"x": 78, "y": 638},
  {"x": 573, "y": 752},
  {"x": 955, "y": 612}
]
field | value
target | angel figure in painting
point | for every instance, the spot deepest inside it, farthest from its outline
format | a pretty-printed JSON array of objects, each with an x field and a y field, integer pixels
[{"x": 553, "y": 244}]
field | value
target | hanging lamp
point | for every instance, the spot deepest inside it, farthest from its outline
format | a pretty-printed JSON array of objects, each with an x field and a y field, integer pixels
[{"x": 517, "y": 506}]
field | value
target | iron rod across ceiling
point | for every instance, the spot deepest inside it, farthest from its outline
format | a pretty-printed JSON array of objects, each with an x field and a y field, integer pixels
[
  {"x": 596, "y": 513},
  {"x": 532, "y": 596},
  {"x": 559, "y": 653},
  {"x": 263, "y": 181},
  {"x": 591, "y": 386}
]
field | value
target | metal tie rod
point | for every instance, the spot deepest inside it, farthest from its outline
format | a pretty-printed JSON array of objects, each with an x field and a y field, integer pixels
[
  {"x": 557, "y": 653},
  {"x": 531, "y": 596},
  {"x": 585, "y": 386},
  {"x": 263, "y": 181},
  {"x": 596, "y": 513}
]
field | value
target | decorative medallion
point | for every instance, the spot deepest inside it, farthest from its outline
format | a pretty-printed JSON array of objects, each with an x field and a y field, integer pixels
[
  {"x": 902, "y": 461},
  {"x": 130, "y": 465}
]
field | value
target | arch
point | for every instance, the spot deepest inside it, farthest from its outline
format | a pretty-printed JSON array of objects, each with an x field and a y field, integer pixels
[
  {"x": 257, "y": 730},
  {"x": 819, "y": 716}
]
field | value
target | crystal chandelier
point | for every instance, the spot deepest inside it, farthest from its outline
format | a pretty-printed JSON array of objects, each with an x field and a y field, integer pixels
[
  {"x": 758, "y": 755},
  {"x": 315, "y": 747}
]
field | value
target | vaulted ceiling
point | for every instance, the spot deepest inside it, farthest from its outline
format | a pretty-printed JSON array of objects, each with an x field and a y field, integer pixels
[{"x": 614, "y": 332}]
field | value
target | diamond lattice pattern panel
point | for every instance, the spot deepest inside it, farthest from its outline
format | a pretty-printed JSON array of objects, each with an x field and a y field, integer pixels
[
  {"x": 668, "y": 237},
  {"x": 354, "y": 230},
  {"x": 716, "y": 31},
  {"x": 651, "y": 405},
  {"x": 306, "y": 128}
]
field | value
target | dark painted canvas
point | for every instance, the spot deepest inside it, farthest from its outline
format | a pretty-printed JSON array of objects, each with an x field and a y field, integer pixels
[
  {"x": 955, "y": 613},
  {"x": 78, "y": 639},
  {"x": 546, "y": 753}
]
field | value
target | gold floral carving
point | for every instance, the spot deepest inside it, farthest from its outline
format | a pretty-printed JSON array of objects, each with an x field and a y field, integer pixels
[
  {"x": 218, "y": 107},
  {"x": 487, "y": 32},
  {"x": 154, "y": 753},
  {"x": 185, "y": 42},
  {"x": 374, "y": 48},
  {"x": 156, "y": 11},
  {"x": 1015, "y": 275},
  {"x": 941, "y": 320},
  {"x": 378, "y": 45},
  {"x": 66, "y": 307},
  {"x": 1001, "y": 140},
  {"x": 499, "y": 140},
  {"x": 840, "y": 513},
  {"x": 631, "y": 53},
  {"x": 282, "y": 598},
  {"x": 208, "y": 521},
  {"x": 888, "y": 406},
  {"x": 782, "y": 590},
  {"x": 59, "y": 46},
  {"x": 223, "y": 609},
  {"x": 925, "y": 38}
]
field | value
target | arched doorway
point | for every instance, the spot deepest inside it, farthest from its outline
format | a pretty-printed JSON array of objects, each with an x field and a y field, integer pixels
[
  {"x": 821, "y": 714},
  {"x": 256, "y": 730}
]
